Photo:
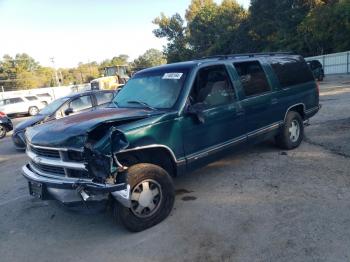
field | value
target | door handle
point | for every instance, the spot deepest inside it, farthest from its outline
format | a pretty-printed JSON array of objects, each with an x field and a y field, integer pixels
[
  {"x": 240, "y": 113},
  {"x": 274, "y": 101}
]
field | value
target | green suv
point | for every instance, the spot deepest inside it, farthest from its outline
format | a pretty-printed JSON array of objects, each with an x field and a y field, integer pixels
[{"x": 165, "y": 121}]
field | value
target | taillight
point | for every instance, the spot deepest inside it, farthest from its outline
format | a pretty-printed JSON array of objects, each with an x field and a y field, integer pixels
[{"x": 318, "y": 87}]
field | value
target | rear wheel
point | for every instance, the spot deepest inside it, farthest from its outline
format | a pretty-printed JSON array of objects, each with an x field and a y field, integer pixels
[
  {"x": 292, "y": 132},
  {"x": 33, "y": 111},
  {"x": 152, "y": 197},
  {"x": 2, "y": 131}
]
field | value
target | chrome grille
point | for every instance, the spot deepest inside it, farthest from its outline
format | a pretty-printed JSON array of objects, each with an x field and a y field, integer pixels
[
  {"x": 54, "y": 170},
  {"x": 45, "y": 152}
]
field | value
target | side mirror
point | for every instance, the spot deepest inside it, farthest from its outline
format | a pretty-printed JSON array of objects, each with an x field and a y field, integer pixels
[
  {"x": 197, "y": 111},
  {"x": 68, "y": 111}
]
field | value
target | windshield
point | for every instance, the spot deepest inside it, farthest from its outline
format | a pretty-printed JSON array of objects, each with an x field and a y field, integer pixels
[
  {"x": 156, "y": 89},
  {"x": 52, "y": 107}
]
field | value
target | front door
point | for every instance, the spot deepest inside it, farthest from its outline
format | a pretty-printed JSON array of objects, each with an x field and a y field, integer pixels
[{"x": 223, "y": 118}]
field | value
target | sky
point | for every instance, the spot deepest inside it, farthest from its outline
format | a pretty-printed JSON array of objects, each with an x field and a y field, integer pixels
[{"x": 74, "y": 31}]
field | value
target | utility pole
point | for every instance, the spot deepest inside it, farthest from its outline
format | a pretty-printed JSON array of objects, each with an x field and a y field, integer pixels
[{"x": 52, "y": 59}]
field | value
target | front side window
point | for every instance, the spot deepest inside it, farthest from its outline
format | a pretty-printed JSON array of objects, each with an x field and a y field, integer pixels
[
  {"x": 81, "y": 103},
  {"x": 212, "y": 87},
  {"x": 54, "y": 106},
  {"x": 158, "y": 89},
  {"x": 252, "y": 77}
]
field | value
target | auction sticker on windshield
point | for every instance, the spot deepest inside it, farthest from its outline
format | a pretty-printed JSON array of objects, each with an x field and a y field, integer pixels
[{"x": 172, "y": 76}]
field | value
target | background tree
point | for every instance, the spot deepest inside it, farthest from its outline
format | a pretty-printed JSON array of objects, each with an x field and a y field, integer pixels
[
  {"x": 151, "y": 57},
  {"x": 307, "y": 27}
]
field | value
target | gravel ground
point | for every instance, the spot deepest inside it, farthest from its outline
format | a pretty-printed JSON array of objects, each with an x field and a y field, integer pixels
[{"x": 260, "y": 204}]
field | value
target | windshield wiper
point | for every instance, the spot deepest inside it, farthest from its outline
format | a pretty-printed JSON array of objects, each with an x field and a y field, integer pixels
[{"x": 141, "y": 103}]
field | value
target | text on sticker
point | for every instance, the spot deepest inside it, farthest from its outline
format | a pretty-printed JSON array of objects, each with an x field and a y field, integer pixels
[{"x": 172, "y": 75}]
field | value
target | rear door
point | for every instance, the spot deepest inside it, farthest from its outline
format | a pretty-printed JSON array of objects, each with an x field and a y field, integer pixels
[
  {"x": 259, "y": 99},
  {"x": 16, "y": 105},
  {"x": 223, "y": 124}
]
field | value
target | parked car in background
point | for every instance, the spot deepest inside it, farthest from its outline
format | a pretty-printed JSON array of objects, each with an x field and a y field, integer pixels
[
  {"x": 21, "y": 105},
  {"x": 165, "y": 121},
  {"x": 61, "y": 107},
  {"x": 5, "y": 125},
  {"x": 316, "y": 69},
  {"x": 46, "y": 98}
]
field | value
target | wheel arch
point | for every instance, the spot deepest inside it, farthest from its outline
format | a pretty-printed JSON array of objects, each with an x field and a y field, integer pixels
[
  {"x": 299, "y": 108},
  {"x": 159, "y": 155}
]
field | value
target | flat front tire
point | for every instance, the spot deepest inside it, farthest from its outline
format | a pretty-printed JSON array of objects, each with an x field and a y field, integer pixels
[
  {"x": 152, "y": 197},
  {"x": 292, "y": 132}
]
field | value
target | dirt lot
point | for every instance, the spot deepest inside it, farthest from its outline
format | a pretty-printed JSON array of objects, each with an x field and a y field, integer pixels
[{"x": 261, "y": 204}]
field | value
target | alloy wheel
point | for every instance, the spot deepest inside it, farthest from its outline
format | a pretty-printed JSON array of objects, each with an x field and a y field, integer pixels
[{"x": 146, "y": 198}]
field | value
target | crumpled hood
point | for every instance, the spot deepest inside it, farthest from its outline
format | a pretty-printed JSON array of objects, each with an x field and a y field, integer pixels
[
  {"x": 71, "y": 131},
  {"x": 29, "y": 122}
]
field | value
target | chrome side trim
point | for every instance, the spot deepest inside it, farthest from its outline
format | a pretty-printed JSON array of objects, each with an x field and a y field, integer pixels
[
  {"x": 54, "y": 162},
  {"x": 265, "y": 129},
  {"x": 212, "y": 149},
  {"x": 178, "y": 161}
]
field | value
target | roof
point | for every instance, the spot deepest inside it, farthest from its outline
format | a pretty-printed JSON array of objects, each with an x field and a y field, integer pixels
[
  {"x": 88, "y": 93},
  {"x": 196, "y": 62}
]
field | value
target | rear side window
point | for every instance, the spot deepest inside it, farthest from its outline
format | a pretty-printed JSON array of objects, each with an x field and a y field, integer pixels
[
  {"x": 31, "y": 98},
  {"x": 14, "y": 100},
  {"x": 253, "y": 78},
  {"x": 104, "y": 98},
  {"x": 291, "y": 71}
]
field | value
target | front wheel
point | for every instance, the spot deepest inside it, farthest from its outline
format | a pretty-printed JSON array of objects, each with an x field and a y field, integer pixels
[
  {"x": 33, "y": 111},
  {"x": 2, "y": 131},
  {"x": 152, "y": 197},
  {"x": 292, "y": 132}
]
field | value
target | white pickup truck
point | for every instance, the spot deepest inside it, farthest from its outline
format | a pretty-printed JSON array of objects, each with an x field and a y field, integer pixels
[{"x": 21, "y": 105}]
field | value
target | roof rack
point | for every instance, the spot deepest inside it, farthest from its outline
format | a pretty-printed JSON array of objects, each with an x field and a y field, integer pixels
[{"x": 222, "y": 57}]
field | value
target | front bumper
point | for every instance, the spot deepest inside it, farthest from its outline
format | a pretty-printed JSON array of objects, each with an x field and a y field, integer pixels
[
  {"x": 19, "y": 140},
  {"x": 69, "y": 190}
]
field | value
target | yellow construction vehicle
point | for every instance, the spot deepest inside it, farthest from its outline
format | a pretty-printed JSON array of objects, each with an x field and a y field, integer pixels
[{"x": 112, "y": 79}]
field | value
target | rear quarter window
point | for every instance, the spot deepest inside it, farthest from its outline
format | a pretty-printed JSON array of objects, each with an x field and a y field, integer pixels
[{"x": 291, "y": 71}]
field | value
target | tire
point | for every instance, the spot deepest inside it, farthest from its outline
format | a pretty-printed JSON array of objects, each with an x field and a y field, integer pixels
[
  {"x": 150, "y": 205},
  {"x": 33, "y": 110},
  {"x": 2, "y": 131},
  {"x": 292, "y": 132}
]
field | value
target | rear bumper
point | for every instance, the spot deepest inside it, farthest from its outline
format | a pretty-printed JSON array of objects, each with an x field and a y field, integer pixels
[
  {"x": 68, "y": 190},
  {"x": 312, "y": 111}
]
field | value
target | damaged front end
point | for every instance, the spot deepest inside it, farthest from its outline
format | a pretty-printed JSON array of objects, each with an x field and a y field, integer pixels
[
  {"x": 88, "y": 175},
  {"x": 102, "y": 164}
]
